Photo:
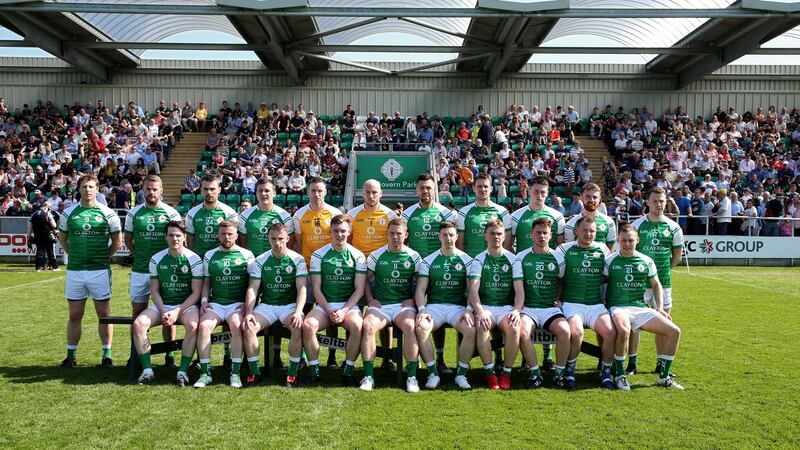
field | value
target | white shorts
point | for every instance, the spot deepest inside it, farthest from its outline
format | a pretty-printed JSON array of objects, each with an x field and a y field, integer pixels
[
  {"x": 666, "y": 300},
  {"x": 543, "y": 317},
  {"x": 445, "y": 313},
  {"x": 82, "y": 284},
  {"x": 225, "y": 311},
  {"x": 334, "y": 306},
  {"x": 390, "y": 312},
  {"x": 140, "y": 287},
  {"x": 637, "y": 315},
  {"x": 498, "y": 312},
  {"x": 168, "y": 308},
  {"x": 588, "y": 313},
  {"x": 275, "y": 313}
]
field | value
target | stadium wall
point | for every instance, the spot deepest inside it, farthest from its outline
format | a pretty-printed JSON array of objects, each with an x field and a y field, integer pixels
[{"x": 438, "y": 91}]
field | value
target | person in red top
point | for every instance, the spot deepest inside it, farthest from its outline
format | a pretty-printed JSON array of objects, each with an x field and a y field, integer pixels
[
  {"x": 463, "y": 132},
  {"x": 554, "y": 135}
]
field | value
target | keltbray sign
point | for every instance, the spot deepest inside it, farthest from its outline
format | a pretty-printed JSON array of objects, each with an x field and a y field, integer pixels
[
  {"x": 742, "y": 247},
  {"x": 395, "y": 171}
]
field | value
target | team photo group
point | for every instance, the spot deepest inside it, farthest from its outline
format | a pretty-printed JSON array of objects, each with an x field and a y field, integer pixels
[{"x": 490, "y": 274}]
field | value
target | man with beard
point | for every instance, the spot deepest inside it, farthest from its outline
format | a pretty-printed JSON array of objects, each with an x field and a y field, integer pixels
[{"x": 606, "y": 228}]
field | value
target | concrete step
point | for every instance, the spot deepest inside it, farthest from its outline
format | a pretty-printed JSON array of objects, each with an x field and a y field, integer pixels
[{"x": 184, "y": 157}]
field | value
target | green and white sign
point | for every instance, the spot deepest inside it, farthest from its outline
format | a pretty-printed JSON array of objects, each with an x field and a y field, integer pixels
[{"x": 396, "y": 171}]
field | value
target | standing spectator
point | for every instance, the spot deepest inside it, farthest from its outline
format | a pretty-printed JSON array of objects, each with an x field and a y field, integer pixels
[
  {"x": 41, "y": 229},
  {"x": 772, "y": 211},
  {"x": 750, "y": 223},
  {"x": 723, "y": 213}
]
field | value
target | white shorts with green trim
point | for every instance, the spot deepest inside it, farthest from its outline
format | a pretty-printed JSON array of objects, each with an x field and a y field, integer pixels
[
  {"x": 275, "y": 313},
  {"x": 139, "y": 287},
  {"x": 588, "y": 313},
  {"x": 390, "y": 312},
  {"x": 225, "y": 311},
  {"x": 335, "y": 306},
  {"x": 638, "y": 316},
  {"x": 498, "y": 312},
  {"x": 445, "y": 313},
  {"x": 82, "y": 284},
  {"x": 543, "y": 317},
  {"x": 168, "y": 308},
  {"x": 667, "y": 300}
]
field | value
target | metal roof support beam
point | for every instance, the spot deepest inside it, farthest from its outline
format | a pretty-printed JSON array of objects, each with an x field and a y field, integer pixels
[
  {"x": 509, "y": 48},
  {"x": 450, "y": 32},
  {"x": 438, "y": 64},
  {"x": 330, "y": 32},
  {"x": 573, "y": 13},
  {"x": 276, "y": 46},
  {"x": 41, "y": 36},
  {"x": 346, "y": 63}
]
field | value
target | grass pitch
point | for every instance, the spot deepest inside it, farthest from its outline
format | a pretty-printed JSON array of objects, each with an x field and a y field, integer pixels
[{"x": 737, "y": 362}]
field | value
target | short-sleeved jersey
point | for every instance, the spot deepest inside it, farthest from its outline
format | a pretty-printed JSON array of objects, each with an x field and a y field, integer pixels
[
  {"x": 203, "y": 224},
  {"x": 370, "y": 228},
  {"x": 227, "y": 272},
  {"x": 522, "y": 225},
  {"x": 175, "y": 274},
  {"x": 278, "y": 276},
  {"x": 539, "y": 274},
  {"x": 314, "y": 228},
  {"x": 254, "y": 223},
  {"x": 606, "y": 229},
  {"x": 656, "y": 240},
  {"x": 583, "y": 272},
  {"x": 447, "y": 277},
  {"x": 88, "y": 231},
  {"x": 627, "y": 278},
  {"x": 338, "y": 270},
  {"x": 471, "y": 221},
  {"x": 394, "y": 274},
  {"x": 494, "y": 274},
  {"x": 423, "y": 227},
  {"x": 148, "y": 227}
]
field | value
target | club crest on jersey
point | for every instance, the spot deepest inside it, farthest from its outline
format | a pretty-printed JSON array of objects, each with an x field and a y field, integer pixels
[
  {"x": 504, "y": 268},
  {"x": 407, "y": 264},
  {"x": 98, "y": 218},
  {"x": 665, "y": 233},
  {"x": 458, "y": 266},
  {"x": 640, "y": 268},
  {"x": 551, "y": 266},
  {"x": 382, "y": 221},
  {"x": 219, "y": 220},
  {"x": 601, "y": 227},
  {"x": 162, "y": 219},
  {"x": 596, "y": 254},
  {"x": 237, "y": 261},
  {"x": 289, "y": 269}
]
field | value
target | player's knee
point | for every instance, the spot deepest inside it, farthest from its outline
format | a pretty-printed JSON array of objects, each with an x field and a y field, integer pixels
[
  {"x": 563, "y": 333},
  {"x": 206, "y": 327},
  {"x": 76, "y": 316},
  {"x": 468, "y": 331},
  {"x": 310, "y": 326},
  {"x": 141, "y": 325},
  {"x": 576, "y": 335},
  {"x": 370, "y": 327},
  {"x": 524, "y": 333},
  {"x": 190, "y": 328},
  {"x": 674, "y": 332}
]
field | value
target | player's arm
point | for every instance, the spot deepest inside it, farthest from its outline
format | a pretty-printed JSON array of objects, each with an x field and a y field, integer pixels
[
  {"x": 519, "y": 295},
  {"x": 129, "y": 241},
  {"x": 155, "y": 294},
  {"x": 559, "y": 293},
  {"x": 677, "y": 256},
  {"x": 205, "y": 292},
  {"x": 658, "y": 293},
  {"x": 192, "y": 299},
  {"x": 301, "y": 283},
  {"x": 116, "y": 243},
  {"x": 64, "y": 240},
  {"x": 419, "y": 298},
  {"x": 250, "y": 296},
  {"x": 316, "y": 290},
  {"x": 474, "y": 302},
  {"x": 358, "y": 292},
  {"x": 371, "y": 300}
]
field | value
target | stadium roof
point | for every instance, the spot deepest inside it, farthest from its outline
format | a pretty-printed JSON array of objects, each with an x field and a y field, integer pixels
[{"x": 680, "y": 38}]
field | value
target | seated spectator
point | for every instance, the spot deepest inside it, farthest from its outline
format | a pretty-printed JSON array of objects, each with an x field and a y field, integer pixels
[{"x": 296, "y": 183}]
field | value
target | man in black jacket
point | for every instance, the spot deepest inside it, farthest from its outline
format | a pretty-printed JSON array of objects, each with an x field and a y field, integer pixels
[{"x": 40, "y": 232}]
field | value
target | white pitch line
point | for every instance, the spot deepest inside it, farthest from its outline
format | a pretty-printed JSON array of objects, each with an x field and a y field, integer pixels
[
  {"x": 10, "y": 288},
  {"x": 739, "y": 283}
]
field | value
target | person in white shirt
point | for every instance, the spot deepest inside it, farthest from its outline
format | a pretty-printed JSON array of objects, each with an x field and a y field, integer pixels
[{"x": 723, "y": 213}]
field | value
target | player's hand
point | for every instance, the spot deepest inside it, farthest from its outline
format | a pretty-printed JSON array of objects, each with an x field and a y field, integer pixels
[
  {"x": 422, "y": 315},
  {"x": 296, "y": 320},
  {"x": 469, "y": 319},
  {"x": 373, "y": 303},
  {"x": 665, "y": 314},
  {"x": 203, "y": 307},
  {"x": 249, "y": 322},
  {"x": 558, "y": 304},
  {"x": 338, "y": 315},
  {"x": 168, "y": 318},
  {"x": 484, "y": 320},
  {"x": 513, "y": 318}
]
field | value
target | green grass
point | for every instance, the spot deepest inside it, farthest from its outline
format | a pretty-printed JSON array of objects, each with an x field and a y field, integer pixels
[{"x": 737, "y": 361}]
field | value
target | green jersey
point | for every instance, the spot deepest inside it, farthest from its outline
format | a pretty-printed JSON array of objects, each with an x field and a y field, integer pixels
[
  {"x": 227, "y": 273},
  {"x": 657, "y": 240},
  {"x": 394, "y": 274},
  {"x": 471, "y": 221},
  {"x": 88, "y": 231},
  {"x": 583, "y": 272},
  {"x": 175, "y": 274},
  {"x": 496, "y": 286},
  {"x": 447, "y": 277},
  {"x": 522, "y": 225},
  {"x": 278, "y": 276},
  {"x": 149, "y": 230},
  {"x": 628, "y": 277},
  {"x": 606, "y": 229},
  {"x": 202, "y": 224},
  {"x": 539, "y": 274},
  {"x": 338, "y": 270},
  {"x": 254, "y": 223},
  {"x": 423, "y": 227}
]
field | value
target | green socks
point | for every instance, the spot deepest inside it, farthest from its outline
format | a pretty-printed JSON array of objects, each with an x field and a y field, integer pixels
[
  {"x": 536, "y": 372},
  {"x": 236, "y": 365},
  {"x": 632, "y": 359},
  {"x": 313, "y": 368},
  {"x": 368, "y": 368},
  {"x": 348, "y": 367},
  {"x": 71, "y": 351},
  {"x": 252, "y": 363},
  {"x": 432, "y": 368},
  {"x": 185, "y": 362},
  {"x": 487, "y": 368},
  {"x": 463, "y": 368},
  {"x": 205, "y": 366},
  {"x": 106, "y": 351},
  {"x": 294, "y": 365},
  {"x": 411, "y": 368},
  {"x": 144, "y": 358},
  {"x": 619, "y": 370},
  {"x": 547, "y": 350},
  {"x": 666, "y": 365},
  {"x": 558, "y": 372}
]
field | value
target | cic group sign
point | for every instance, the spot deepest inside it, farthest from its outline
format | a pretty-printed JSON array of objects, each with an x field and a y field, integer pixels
[{"x": 742, "y": 247}]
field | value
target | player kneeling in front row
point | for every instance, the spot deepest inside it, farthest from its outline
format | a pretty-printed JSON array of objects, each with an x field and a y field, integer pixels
[
  {"x": 279, "y": 275},
  {"x": 537, "y": 272},
  {"x": 629, "y": 273},
  {"x": 491, "y": 293},
  {"x": 338, "y": 273},
  {"x": 443, "y": 278},
  {"x": 224, "y": 287},
  {"x": 176, "y": 281},
  {"x": 393, "y": 267}
]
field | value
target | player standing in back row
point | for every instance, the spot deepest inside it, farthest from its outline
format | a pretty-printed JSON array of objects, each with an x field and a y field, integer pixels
[
  {"x": 89, "y": 233},
  {"x": 661, "y": 239},
  {"x": 606, "y": 228},
  {"x": 471, "y": 219}
]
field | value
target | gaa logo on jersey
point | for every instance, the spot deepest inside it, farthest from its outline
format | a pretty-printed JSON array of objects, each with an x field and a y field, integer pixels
[
  {"x": 551, "y": 266},
  {"x": 504, "y": 268},
  {"x": 665, "y": 233},
  {"x": 237, "y": 261},
  {"x": 458, "y": 266},
  {"x": 602, "y": 227},
  {"x": 162, "y": 218},
  {"x": 407, "y": 264},
  {"x": 289, "y": 269},
  {"x": 185, "y": 269},
  {"x": 640, "y": 268},
  {"x": 382, "y": 221}
]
